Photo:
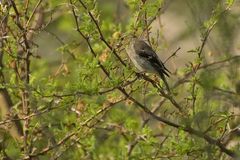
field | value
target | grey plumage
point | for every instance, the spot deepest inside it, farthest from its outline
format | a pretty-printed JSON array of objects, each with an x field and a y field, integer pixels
[{"x": 146, "y": 60}]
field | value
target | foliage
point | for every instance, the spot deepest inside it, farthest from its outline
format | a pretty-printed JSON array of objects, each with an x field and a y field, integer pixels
[{"x": 69, "y": 91}]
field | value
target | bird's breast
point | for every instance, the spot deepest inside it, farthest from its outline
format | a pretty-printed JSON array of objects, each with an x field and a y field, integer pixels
[{"x": 141, "y": 63}]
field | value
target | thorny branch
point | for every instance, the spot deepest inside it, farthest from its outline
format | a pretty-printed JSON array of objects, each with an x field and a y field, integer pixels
[
  {"x": 6, "y": 102},
  {"x": 115, "y": 53},
  {"x": 24, "y": 55},
  {"x": 187, "y": 129},
  {"x": 24, "y": 64},
  {"x": 101, "y": 34}
]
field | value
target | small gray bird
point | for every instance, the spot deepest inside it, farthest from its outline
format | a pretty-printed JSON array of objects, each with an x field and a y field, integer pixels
[{"x": 146, "y": 60}]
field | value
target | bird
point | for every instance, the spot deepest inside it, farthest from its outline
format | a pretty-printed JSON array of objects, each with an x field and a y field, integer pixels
[{"x": 145, "y": 59}]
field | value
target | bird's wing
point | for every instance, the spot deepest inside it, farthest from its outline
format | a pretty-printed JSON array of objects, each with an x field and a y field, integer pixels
[{"x": 149, "y": 54}]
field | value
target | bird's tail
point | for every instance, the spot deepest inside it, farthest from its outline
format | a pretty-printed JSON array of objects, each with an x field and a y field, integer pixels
[{"x": 165, "y": 81}]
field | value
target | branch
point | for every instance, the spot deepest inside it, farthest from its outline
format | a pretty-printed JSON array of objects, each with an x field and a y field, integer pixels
[
  {"x": 189, "y": 130},
  {"x": 15, "y": 128},
  {"x": 46, "y": 150},
  {"x": 100, "y": 33},
  {"x": 24, "y": 47}
]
